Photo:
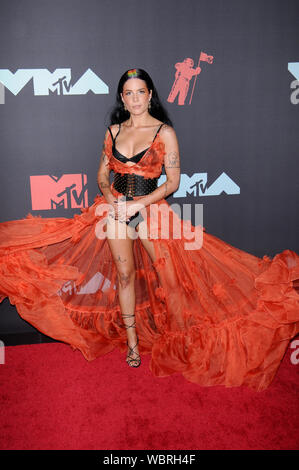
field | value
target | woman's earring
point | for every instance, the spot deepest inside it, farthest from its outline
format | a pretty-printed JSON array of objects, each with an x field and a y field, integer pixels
[
  {"x": 125, "y": 108},
  {"x": 149, "y": 104}
]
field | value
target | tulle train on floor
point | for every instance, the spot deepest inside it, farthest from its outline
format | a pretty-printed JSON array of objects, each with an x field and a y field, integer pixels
[{"x": 218, "y": 315}]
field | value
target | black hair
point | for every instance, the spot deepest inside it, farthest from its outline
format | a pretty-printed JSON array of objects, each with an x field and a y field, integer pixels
[{"x": 119, "y": 114}]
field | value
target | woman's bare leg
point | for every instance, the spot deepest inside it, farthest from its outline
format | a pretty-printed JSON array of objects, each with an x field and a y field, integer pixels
[
  {"x": 169, "y": 275},
  {"x": 149, "y": 247},
  {"x": 121, "y": 246}
]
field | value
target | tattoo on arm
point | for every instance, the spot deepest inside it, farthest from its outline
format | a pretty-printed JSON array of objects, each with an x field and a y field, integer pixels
[
  {"x": 172, "y": 160},
  {"x": 165, "y": 194},
  {"x": 104, "y": 170},
  {"x": 104, "y": 158},
  {"x": 104, "y": 184}
]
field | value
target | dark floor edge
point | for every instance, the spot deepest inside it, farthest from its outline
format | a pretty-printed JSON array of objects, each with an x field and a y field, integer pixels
[{"x": 18, "y": 339}]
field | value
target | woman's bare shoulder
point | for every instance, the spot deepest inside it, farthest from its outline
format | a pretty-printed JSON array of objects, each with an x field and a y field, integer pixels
[
  {"x": 168, "y": 133},
  {"x": 114, "y": 128}
]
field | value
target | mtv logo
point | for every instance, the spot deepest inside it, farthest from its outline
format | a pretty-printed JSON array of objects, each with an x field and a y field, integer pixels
[
  {"x": 52, "y": 192},
  {"x": 58, "y": 81},
  {"x": 197, "y": 186}
]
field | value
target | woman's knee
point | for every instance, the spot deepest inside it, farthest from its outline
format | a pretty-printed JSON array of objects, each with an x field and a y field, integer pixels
[{"x": 126, "y": 277}]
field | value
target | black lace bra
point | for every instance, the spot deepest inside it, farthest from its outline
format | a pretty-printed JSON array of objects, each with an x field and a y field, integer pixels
[{"x": 136, "y": 158}]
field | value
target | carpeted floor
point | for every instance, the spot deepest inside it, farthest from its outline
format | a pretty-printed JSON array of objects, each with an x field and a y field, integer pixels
[{"x": 52, "y": 398}]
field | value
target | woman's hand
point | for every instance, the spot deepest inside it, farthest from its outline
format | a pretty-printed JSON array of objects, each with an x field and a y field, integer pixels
[
  {"x": 132, "y": 207},
  {"x": 112, "y": 200},
  {"x": 122, "y": 209},
  {"x": 114, "y": 209}
]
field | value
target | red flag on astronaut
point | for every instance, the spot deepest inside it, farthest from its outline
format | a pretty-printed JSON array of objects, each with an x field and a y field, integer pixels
[{"x": 204, "y": 58}]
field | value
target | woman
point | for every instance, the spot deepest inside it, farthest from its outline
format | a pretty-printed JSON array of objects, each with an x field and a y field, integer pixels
[
  {"x": 135, "y": 132},
  {"x": 110, "y": 277}
]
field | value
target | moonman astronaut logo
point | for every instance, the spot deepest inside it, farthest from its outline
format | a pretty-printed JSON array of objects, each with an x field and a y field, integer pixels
[{"x": 184, "y": 73}]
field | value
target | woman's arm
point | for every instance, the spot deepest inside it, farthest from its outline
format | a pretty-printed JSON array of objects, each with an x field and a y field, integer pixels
[
  {"x": 171, "y": 165},
  {"x": 104, "y": 172}
]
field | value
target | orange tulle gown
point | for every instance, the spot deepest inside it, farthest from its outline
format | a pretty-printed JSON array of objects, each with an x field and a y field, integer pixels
[{"x": 217, "y": 314}]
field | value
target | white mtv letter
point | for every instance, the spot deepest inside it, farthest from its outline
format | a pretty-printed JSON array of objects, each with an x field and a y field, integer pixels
[
  {"x": 191, "y": 184},
  {"x": 56, "y": 81},
  {"x": 2, "y": 93},
  {"x": 223, "y": 184},
  {"x": 89, "y": 81},
  {"x": 14, "y": 82}
]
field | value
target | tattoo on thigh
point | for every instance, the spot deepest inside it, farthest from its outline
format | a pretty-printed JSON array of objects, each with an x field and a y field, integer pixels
[{"x": 121, "y": 260}]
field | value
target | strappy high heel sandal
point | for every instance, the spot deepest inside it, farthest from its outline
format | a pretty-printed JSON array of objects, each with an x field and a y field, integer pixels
[{"x": 132, "y": 362}]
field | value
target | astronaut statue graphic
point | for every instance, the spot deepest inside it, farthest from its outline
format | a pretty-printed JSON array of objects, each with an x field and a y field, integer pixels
[{"x": 183, "y": 75}]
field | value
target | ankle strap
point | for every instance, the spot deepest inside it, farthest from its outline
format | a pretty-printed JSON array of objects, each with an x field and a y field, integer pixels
[{"x": 125, "y": 315}]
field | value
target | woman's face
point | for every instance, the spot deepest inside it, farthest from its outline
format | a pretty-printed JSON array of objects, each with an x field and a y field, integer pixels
[{"x": 136, "y": 96}]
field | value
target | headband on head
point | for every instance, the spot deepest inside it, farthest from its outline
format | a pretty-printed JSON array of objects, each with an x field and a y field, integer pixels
[{"x": 132, "y": 73}]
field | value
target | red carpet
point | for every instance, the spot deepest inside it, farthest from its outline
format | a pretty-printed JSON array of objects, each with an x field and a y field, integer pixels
[{"x": 52, "y": 398}]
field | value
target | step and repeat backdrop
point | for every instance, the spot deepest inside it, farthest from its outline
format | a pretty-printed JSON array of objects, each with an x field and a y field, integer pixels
[{"x": 227, "y": 72}]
